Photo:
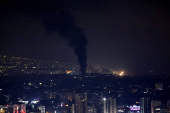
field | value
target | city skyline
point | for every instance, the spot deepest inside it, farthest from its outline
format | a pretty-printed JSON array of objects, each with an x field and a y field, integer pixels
[
  {"x": 84, "y": 56},
  {"x": 13, "y": 66}
]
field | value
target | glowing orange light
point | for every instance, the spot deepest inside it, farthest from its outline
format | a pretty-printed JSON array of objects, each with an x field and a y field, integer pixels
[
  {"x": 121, "y": 73},
  {"x": 68, "y": 72}
]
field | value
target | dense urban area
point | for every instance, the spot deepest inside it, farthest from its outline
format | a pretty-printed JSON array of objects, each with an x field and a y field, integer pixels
[
  {"x": 10, "y": 66},
  {"x": 48, "y": 86}
]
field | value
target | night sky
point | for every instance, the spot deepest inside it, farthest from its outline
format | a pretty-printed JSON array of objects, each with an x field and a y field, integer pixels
[{"x": 128, "y": 35}]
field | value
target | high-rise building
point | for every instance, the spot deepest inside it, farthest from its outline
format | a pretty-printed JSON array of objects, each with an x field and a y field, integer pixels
[
  {"x": 73, "y": 108},
  {"x": 72, "y": 96},
  {"x": 23, "y": 108},
  {"x": 91, "y": 109},
  {"x": 19, "y": 108},
  {"x": 155, "y": 105},
  {"x": 81, "y": 103},
  {"x": 145, "y": 105},
  {"x": 158, "y": 107},
  {"x": 109, "y": 105},
  {"x": 95, "y": 99},
  {"x": 15, "y": 108},
  {"x": 49, "y": 95}
]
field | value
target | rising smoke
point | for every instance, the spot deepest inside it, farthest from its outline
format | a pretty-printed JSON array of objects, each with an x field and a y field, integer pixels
[
  {"x": 64, "y": 23},
  {"x": 56, "y": 19}
]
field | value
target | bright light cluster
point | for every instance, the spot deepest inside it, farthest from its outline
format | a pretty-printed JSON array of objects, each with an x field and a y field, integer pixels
[{"x": 121, "y": 73}]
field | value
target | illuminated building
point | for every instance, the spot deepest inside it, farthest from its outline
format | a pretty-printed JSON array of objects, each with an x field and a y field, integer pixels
[
  {"x": 95, "y": 99},
  {"x": 158, "y": 107},
  {"x": 159, "y": 86},
  {"x": 23, "y": 108},
  {"x": 2, "y": 110},
  {"x": 14, "y": 108},
  {"x": 42, "y": 109},
  {"x": 91, "y": 109},
  {"x": 134, "y": 109},
  {"x": 104, "y": 105},
  {"x": 6, "y": 108},
  {"x": 145, "y": 106},
  {"x": 109, "y": 105},
  {"x": 19, "y": 108},
  {"x": 155, "y": 106},
  {"x": 160, "y": 110},
  {"x": 54, "y": 94},
  {"x": 73, "y": 108},
  {"x": 120, "y": 109},
  {"x": 81, "y": 103},
  {"x": 49, "y": 95},
  {"x": 34, "y": 101}
]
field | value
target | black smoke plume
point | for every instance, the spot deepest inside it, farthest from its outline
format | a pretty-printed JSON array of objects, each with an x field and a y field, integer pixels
[
  {"x": 64, "y": 23},
  {"x": 55, "y": 19}
]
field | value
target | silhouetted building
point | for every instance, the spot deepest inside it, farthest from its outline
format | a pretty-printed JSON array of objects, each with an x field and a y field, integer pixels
[
  {"x": 155, "y": 106},
  {"x": 73, "y": 108},
  {"x": 49, "y": 95},
  {"x": 64, "y": 97},
  {"x": 145, "y": 105},
  {"x": 95, "y": 99},
  {"x": 81, "y": 103},
  {"x": 109, "y": 105},
  {"x": 91, "y": 109}
]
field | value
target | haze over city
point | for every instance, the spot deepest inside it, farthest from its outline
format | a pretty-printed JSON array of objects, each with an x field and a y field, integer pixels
[{"x": 122, "y": 35}]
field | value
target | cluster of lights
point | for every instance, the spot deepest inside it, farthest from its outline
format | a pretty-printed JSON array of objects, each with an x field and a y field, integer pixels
[
  {"x": 134, "y": 107},
  {"x": 121, "y": 73},
  {"x": 90, "y": 109}
]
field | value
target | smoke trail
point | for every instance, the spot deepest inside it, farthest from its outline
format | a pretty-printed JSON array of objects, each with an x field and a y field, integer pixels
[{"x": 64, "y": 23}]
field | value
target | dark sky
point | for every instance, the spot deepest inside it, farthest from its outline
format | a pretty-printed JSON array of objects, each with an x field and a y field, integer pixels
[{"x": 128, "y": 35}]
